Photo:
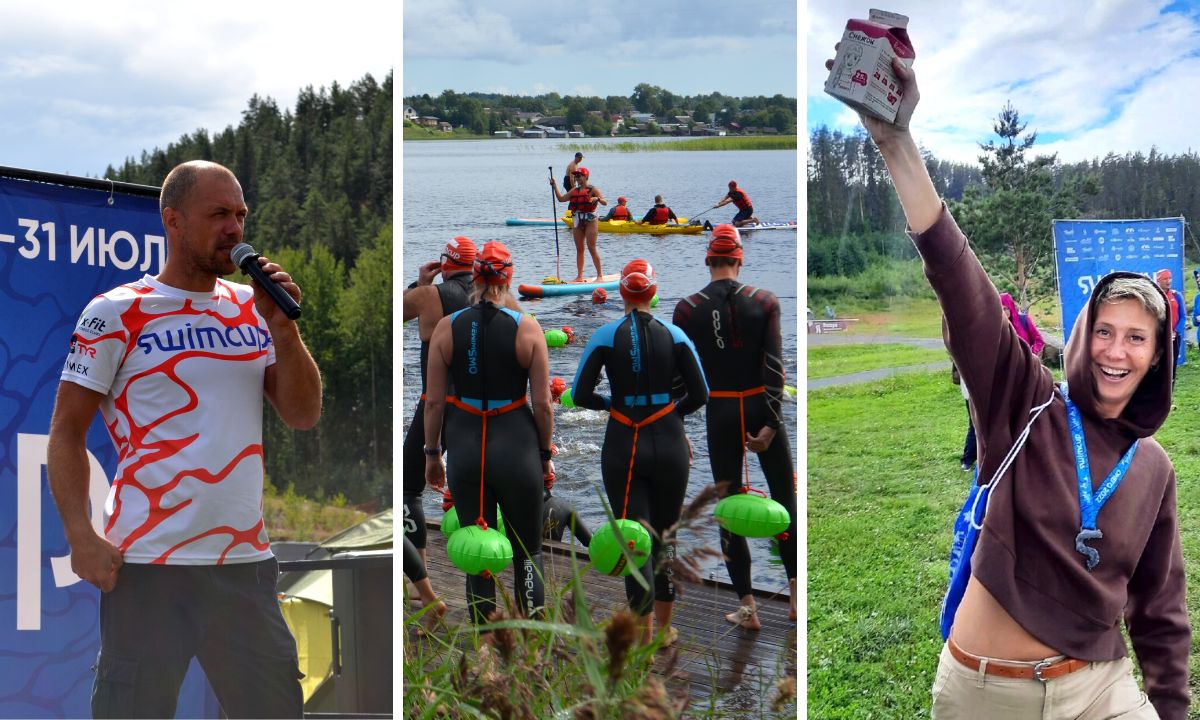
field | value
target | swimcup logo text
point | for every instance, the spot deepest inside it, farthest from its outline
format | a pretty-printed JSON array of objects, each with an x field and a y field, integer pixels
[
  {"x": 204, "y": 338},
  {"x": 473, "y": 350}
]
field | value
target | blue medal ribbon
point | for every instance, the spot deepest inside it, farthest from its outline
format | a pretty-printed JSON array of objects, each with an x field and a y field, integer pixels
[{"x": 1089, "y": 504}]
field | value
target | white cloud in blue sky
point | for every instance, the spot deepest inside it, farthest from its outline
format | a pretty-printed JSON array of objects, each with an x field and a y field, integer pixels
[
  {"x": 87, "y": 84},
  {"x": 1089, "y": 77},
  {"x": 528, "y": 48}
]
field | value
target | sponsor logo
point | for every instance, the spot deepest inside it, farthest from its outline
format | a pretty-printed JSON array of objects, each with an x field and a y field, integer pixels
[
  {"x": 204, "y": 338},
  {"x": 635, "y": 352},
  {"x": 91, "y": 326},
  {"x": 473, "y": 350}
]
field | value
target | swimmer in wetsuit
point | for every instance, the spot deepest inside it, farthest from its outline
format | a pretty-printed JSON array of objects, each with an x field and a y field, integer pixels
[
  {"x": 582, "y": 201},
  {"x": 414, "y": 569},
  {"x": 558, "y": 516},
  {"x": 429, "y": 303},
  {"x": 494, "y": 357},
  {"x": 645, "y": 458},
  {"x": 735, "y": 329}
]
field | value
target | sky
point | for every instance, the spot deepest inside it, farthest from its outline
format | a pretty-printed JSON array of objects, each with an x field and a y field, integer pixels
[
  {"x": 85, "y": 85},
  {"x": 522, "y": 47},
  {"x": 1090, "y": 76}
]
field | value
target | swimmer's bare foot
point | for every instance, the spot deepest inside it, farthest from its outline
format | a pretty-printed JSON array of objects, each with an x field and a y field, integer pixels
[
  {"x": 746, "y": 616},
  {"x": 432, "y": 617},
  {"x": 599, "y": 278},
  {"x": 578, "y": 279}
]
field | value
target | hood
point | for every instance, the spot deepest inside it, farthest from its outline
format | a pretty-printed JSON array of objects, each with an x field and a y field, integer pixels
[{"x": 1151, "y": 402}]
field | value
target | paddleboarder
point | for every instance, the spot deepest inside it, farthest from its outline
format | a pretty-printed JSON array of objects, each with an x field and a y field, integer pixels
[
  {"x": 498, "y": 446},
  {"x": 737, "y": 196},
  {"x": 582, "y": 201},
  {"x": 645, "y": 458},
  {"x": 735, "y": 329}
]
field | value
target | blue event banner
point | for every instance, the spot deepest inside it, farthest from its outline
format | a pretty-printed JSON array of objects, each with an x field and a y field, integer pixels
[
  {"x": 1087, "y": 250},
  {"x": 60, "y": 246}
]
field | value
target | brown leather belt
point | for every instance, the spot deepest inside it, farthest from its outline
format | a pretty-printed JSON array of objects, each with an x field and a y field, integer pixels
[{"x": 1043, "y": 670}]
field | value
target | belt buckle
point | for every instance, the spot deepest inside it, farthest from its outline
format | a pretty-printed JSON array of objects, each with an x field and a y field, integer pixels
[{"x": 1037, "y": 670}]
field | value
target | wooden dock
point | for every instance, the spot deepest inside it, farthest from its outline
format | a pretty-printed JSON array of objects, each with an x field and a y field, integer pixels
[{"x": 715, "y": 657}]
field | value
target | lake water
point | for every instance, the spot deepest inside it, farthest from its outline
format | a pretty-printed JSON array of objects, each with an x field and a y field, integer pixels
[{"x": 469, "y": 188}]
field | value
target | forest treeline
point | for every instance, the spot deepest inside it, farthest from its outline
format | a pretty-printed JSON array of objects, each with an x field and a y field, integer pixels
[
  {"x": 854, "y": 218},
  {"x": 487, "y": 112},
  {"x": 318, "y": 181}
]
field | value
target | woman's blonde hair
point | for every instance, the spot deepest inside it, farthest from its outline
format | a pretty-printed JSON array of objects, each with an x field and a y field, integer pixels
[{"x": 1135, "y": 288}]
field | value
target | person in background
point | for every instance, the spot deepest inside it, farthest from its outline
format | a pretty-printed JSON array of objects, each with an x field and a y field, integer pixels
[
  {"x": 428, "y": 303},
  {"x": 569, "y": 176},
  {"x": 1023, "y": 324},
  {"x": 660, "y": 214},
  {"x": 418, "y": 574},
  {"x": 1178, "y": 318},
  {"x": 621, "y": 211},
  {"x": 1196, "y": 304},
  {"x": 737, "y": 196},
  {"x": 1053, "y": 580},
  {"x": 181, "y": 555}
]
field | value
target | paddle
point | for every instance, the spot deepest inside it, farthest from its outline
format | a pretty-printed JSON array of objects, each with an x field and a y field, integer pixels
[
  {"x": 554, "y": 209},
  {"x": 691, "y": 220}
]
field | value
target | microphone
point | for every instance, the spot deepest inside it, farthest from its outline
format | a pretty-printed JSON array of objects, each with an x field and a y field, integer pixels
[{"x": 245, "y": 257}]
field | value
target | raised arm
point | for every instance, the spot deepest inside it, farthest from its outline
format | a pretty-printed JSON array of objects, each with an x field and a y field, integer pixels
[{"x": 554, "y": 186}]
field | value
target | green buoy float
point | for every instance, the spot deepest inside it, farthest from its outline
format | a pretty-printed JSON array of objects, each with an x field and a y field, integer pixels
[
  {"x": 751, "y": 515},
  {"x": 654, "y": 301},
  {"x": 450, "y": 522},
  {"x": 555, "y": 338},
  {"x": 566, "y": 399},
  {"x": 605, "y": 548},
  {"x": 476, "y": 551}
]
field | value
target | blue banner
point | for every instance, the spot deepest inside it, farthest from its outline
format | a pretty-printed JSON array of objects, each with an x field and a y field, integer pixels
[
  {"x": 1087, "y": 250},
  {"x": 59, "y": 247}
]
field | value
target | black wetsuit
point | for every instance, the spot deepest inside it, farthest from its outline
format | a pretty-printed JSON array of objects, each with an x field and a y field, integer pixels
[
  {"x": 454, "y": 292},
  {"x": 414, "y": 567},
  {"x": 735, "y": 328},
  {"x": 641, "y": 357},
  {"x": 486, "y": 375},
  {"x": 558, "y": 515}
]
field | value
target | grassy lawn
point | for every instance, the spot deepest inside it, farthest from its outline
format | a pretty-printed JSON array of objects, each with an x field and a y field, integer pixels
[
  {"x": 828, "y": 361},
  {"x": 291, "y": 517},
  {"x": 883, "y": 488}
]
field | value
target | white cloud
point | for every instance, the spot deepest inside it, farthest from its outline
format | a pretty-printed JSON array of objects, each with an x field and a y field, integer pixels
[{"x": 1088, "y": 70}]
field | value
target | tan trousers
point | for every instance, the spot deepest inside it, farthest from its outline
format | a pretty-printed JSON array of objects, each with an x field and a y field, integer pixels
[{"x": 1101, "y": 691}]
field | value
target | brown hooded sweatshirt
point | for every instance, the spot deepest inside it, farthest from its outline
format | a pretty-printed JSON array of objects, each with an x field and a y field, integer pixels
[{"x": 1026, "y": 556}]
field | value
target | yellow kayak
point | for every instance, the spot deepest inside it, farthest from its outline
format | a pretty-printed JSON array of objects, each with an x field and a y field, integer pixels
[{"x": 628, "y": 226}]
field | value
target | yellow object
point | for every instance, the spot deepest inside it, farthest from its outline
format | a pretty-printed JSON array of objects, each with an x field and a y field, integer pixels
[
  {"x": 309, "y": 622},
  {"x": 626, "y": 226}
]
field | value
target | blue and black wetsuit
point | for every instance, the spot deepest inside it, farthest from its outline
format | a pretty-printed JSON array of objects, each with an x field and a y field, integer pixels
[
  {"x": 641, "y": 357},
  {"x": 455, "y": 292},
  {"x": 558, "y": 516},
  {"x": 488, "y": 379},
  {"x": 735, "y": 329}
]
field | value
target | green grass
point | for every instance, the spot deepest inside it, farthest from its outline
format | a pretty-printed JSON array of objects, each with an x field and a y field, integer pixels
[
  {"x": 883, "y": 488},
  {"x": 289, "y": 516},
  {"x": 729, "y": 142},
  {"x": 828, "y": 361}
]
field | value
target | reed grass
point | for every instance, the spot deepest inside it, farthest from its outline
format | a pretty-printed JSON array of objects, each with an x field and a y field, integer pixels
[{"x": 563, "y": 664}]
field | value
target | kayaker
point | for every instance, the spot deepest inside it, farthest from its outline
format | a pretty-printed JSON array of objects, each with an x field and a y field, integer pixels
[
  {"x": 660, "y": 214},
  {"x": 571, "y": 167},
  {"x": 645, "y": 458},
  {"x": 735, "y": 329},
  {"x": 582, "y": 203},
  {"x": 621, "y": 211},
  {"x": 737, "y": 196},
  {"x": 487, "y": 363}
]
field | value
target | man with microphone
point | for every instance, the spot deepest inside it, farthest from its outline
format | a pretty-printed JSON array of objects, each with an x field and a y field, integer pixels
[{"x": 177, "y": 365}]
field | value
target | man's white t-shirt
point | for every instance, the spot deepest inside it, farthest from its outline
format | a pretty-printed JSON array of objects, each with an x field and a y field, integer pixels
[{"x": 182, "y": 373}]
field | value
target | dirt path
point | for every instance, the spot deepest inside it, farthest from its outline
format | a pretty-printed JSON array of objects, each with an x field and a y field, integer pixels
[{"x": 872, "y": 375}]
